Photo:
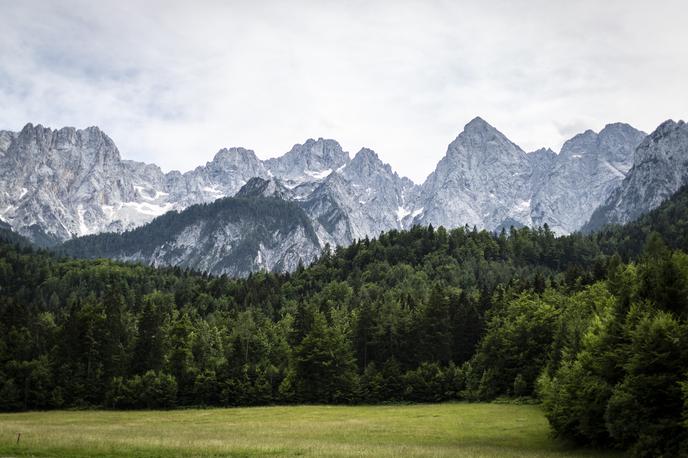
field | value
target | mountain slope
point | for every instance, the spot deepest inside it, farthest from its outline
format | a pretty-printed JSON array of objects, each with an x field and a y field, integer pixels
[
  {"x": 483, "y": 180},
  {"x": 234, "y": 236},
  {"x": 363, "y": 198},
  {"x": 670, "y": 220},
  {"x": 589, "y": 167},
  {"x": 59, "y": 184},
  {"x": 660, "y": 168},
  {"x": 315, "y": 159},
  {"x": 487, "y": 181},
  {"x": 541, "y": 162}
]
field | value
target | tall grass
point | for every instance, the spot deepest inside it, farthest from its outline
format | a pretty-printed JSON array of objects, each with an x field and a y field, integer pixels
[{"x": 476, "y": 430}]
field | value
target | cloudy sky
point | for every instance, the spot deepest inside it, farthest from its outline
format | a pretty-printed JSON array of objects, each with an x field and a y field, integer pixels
[{"x": 172, "y": 82}]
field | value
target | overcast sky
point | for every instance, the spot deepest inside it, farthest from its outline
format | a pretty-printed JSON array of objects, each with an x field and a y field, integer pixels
[{"x": 173, "y": 82}]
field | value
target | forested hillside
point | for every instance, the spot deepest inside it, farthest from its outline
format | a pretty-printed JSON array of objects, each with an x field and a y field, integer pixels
[
  {"x": 234, "y": 236},
  {"x": 594, "y": 325}
]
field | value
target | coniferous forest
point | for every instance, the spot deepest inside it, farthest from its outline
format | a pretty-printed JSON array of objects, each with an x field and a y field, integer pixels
[{"x": 595, "y": 326}]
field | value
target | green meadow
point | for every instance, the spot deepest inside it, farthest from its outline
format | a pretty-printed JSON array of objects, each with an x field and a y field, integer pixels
[{"x": 455, "y": 429}]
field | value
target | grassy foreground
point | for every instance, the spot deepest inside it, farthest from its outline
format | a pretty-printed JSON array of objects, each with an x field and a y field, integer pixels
[{"x": 475, "y": 430}]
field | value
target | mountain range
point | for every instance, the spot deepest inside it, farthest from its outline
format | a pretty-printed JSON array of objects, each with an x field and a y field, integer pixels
[{"x": 68, "y": 185}]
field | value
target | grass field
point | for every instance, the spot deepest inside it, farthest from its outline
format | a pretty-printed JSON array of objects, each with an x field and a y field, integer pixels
[{"x": 476, "y": 430}]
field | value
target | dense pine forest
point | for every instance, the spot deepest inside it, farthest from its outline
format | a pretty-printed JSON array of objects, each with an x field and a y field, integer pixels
[{"x": 593, "y": 325}]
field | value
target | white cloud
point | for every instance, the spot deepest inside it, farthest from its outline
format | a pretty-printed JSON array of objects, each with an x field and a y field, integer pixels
[{"x": 174, "y": 82}]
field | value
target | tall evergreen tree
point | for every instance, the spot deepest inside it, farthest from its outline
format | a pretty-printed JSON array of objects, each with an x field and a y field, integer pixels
[{"x": 435, "y": 333}]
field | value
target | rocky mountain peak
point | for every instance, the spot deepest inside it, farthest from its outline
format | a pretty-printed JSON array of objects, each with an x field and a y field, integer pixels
[
  {"x": 235, "y": 164},
  {"x": 588, "y": 168},
  {"x": 580, "y": 144},
  {"x": 615, "y": 127},
  {"x": 614, "y": 135},
  {"x": 365, "y": 163},
  {"x": 479, "y": 132},
  {"x": 617, "y": 143},
  {"x": 61, "y": 181},
  {"x": 314, "y": 159},
  {"x": 235, "y": 155},
  {"x": 542, "y": 154},
  {"x": 329, "y": 150},
  {"x": 229, "y": 170},
  {"x": 367, "y": 155},
  {"x": 660, "y": 168},
  {"x": 90, "y": 143},
  {"x": 259, "y": 187},
  {"x": 668, "y": 142},
  {"x": 613, "y": 146},
  {"x": 666, "y": 127},
  {"x": 479, "y": 143},
  {"x": 72, "y": 182},
  {"x": 478, "y": 125},
  {"x": 31, "y": 131},
  {"x": 320, "y": 153},
  {"x": 482, "y": 180}
]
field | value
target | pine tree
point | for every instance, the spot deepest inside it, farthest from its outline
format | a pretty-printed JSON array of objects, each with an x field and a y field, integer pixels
[
  {"x": 325, "y": 367},
  {"x": 152, "y": 340},
  {"x": 436, "y": 337}
]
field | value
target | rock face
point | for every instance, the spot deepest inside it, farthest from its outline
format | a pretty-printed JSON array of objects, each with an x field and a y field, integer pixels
[
  {"x": 259, "y": 187},
  {"x": 363, "y": 198},
  {"x": 315, "y": 159},
  {"x": 589, "y": 167},
  {"x": 541, "y": 163},
  {"x": 229, "y": 170},
  {"x": 660, "y": 168},
  {"x": 233, "y": 236},
  {"x": 59, "y": 184},
  {"x": 56, "y": 185},
  {"x": 484, "y": 180},
  {"x": 487, "y": 181}
]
